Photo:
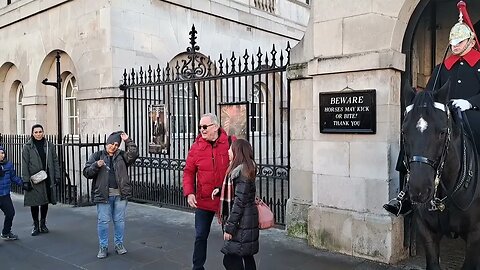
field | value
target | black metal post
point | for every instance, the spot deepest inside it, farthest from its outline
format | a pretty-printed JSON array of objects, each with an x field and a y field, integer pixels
[{"x": 58, "y": 85}]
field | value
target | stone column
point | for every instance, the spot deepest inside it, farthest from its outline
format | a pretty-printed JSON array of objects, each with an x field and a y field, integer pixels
[{"x": 339, "y": 182}]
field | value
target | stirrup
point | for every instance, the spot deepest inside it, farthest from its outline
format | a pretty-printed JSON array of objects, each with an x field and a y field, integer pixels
[{"x": 396, "y": 206}]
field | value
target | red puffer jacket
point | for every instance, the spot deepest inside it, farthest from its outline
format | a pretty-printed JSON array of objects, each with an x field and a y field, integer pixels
[{"x": 209, "y": 163}]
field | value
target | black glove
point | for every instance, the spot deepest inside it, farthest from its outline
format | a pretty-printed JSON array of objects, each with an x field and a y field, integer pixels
[{"x": 27, "y": 186}]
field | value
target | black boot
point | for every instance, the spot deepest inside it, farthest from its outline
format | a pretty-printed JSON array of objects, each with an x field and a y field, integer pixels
[
  {"x": 36, "y": 228},
  {"x": 401, "y": 205},
  {"x": 43, "y": 226}
]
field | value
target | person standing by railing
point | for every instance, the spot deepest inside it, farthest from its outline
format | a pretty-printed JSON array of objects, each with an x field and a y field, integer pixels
[
  {"x": 111, "y": 188},
  {"x": 38, "y": 155},
  {"x": 205, "y": 168}
]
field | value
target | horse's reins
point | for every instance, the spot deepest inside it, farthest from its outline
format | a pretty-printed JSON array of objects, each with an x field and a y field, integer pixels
[
  {"x": 436, "y": 203},
  {"x": 465, "y": 125}
]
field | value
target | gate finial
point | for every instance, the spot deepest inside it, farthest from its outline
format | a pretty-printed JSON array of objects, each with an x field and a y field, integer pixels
[{"x": 193, "y": 44}]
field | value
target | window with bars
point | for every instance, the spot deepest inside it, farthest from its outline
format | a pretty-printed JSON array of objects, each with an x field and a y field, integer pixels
[
  {"x": 20, "y": 110},
  {"x": 265, "y": 5},
  {"x": 257, "y": 109},
  {"x": 183, "y": 110},
  {"x": 70, "y": 108}
]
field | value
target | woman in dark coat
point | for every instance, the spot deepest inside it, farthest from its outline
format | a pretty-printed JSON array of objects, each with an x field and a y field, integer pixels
[
  {"x": 238, "y": 210},
  {"x": 39, "y": 154}
]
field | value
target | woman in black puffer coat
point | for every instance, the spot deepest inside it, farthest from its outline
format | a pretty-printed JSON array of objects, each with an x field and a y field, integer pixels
[{"x": 238, "y": 209}]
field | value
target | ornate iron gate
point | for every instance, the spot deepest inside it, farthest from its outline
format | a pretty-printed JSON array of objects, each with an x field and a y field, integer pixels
[{"x": 163, "y": 107}]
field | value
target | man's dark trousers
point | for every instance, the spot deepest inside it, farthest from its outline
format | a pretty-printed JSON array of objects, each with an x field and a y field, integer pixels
[
  {"x": 203, "y": 222},
  {"x": 6, "y": 206}
]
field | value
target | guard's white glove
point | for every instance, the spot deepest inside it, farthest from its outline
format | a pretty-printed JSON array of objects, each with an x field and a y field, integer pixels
[{"x": 462, "y": 104}]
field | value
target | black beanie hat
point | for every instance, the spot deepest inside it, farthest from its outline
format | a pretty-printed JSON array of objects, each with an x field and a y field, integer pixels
[{"x": 115, "y": 137}]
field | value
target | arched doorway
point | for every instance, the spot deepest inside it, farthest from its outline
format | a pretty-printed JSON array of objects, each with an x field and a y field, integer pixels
[
  {"x": 424, "y": 44},
  {"x": 426, "y": 37}
]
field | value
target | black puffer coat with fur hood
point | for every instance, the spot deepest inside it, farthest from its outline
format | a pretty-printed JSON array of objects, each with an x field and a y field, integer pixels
[{"x": 242, "y": 222}]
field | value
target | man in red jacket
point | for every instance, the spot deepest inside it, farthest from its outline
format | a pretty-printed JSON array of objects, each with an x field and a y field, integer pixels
[{"x": 207, "y": 162}]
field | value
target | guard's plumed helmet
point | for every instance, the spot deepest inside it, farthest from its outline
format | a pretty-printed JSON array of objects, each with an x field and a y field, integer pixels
[{"x": 459, "y": 32}]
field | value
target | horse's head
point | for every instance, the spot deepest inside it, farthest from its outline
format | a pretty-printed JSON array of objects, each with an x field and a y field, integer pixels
[{"x": 425, "y": 131}]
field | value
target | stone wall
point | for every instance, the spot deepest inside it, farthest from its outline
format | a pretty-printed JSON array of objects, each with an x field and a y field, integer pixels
[
  {"x": 98, "y": 39},
  {"x": 340, "y": 181}
]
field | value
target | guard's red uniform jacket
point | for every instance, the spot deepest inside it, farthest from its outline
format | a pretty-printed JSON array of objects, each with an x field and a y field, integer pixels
[{"x": 208, "y": 163}]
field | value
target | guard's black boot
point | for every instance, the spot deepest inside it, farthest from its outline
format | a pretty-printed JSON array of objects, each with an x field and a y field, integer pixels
[
  {"x": 401, "y": 205},
  {"x": 36, "y": 228},
  {"x": 43, "y": 226}
]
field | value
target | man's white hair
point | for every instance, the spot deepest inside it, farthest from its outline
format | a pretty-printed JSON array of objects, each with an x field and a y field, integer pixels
[{"x": 212, "y": 117}]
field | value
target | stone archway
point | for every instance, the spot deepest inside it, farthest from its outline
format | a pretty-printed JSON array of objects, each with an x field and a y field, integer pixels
[
  {"x": 337, "y": 195},
  {"x": 10, "y": 83},
  {"x": 48, "y": 93},
  {"x": 424, "y": 49}
]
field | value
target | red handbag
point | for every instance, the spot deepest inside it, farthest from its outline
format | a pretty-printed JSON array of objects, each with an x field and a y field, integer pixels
[{"x": 265, "y": 215}]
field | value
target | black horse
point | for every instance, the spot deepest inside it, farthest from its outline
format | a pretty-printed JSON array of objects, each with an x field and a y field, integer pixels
[{"x": 442, "y": 174}]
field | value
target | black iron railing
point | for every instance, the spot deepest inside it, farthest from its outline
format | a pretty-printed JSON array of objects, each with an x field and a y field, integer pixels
[
  {"x": 170, "y": 101},
  {"x": 74, "y": 188},
  {"x": 189, "y": 86}
]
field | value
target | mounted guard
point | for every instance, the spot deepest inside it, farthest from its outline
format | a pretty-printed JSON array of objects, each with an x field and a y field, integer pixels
[{"x": 462, "y": 68}]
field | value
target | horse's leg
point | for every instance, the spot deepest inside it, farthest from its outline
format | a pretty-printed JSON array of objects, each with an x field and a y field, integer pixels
[
  {"x": 431, "y": 243},
  {"x": 472, "y": 252}
]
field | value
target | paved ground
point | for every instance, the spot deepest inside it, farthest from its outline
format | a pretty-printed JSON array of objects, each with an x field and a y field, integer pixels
[
  {"x": 451, "y": 255},
  {"x": 156, "y": 238}
]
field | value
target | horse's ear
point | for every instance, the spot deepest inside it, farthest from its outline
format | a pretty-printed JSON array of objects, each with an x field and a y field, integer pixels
[
  {"x": 408, "y": 93},
  {"x": 442, "y": 95}
]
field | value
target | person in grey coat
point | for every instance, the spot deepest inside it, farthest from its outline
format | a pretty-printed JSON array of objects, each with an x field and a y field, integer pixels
[
  {"x": 39, "y": 154},
  {"x": 111, "y": 188}
]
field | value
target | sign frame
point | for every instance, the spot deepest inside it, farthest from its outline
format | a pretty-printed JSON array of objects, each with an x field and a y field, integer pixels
[
  {"x": 234, "y": 118},
  {"x": 159, "y": 141},
  {"x": 341, "y": 112}
]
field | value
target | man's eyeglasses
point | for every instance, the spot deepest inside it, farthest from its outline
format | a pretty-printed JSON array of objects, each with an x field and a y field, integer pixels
[{"x": 200, "y": 127}]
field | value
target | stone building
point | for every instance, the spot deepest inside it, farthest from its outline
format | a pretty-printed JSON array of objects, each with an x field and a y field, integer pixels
[
  {"x": 342, "y": 180},
  {"x": 338, "y": 182},
  {"x": 97, "y": 40}
]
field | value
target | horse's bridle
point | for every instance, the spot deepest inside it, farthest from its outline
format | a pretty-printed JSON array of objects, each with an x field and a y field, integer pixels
[{"x": 437, "y": 165}]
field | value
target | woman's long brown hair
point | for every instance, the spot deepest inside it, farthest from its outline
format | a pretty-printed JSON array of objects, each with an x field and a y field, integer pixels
[{"x": 243, "y": 154}]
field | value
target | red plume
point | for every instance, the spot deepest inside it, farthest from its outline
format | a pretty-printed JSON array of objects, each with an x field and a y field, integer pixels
[{"x": 462, "y": 7}]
